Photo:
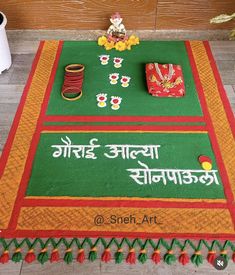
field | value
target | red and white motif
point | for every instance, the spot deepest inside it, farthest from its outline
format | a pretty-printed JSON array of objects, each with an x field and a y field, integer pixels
[
  {"x": 101, "y": 98},
  {"x": 104, "y": 59},
  {"x": 117, "y": 62},
  {"x": 113, "y": 78},
  {"x": 125, "y": 80},
  {"x": 115, "y": 101},
  {"x": 165, "y": 80}
]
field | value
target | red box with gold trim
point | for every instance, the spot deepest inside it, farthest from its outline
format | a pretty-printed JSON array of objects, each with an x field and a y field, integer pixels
[{"x": 165, "y": 80}]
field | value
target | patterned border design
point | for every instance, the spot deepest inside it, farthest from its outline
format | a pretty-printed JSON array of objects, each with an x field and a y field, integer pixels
[
  {"x": 15, "y": 164},
  {"x": 215, "y": 106},
  {"x": 102, "y": 219}
]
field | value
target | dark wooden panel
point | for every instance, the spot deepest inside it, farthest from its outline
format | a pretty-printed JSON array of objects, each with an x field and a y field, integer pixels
[
  {"x": 77, "y": 14},
  {"x": 185, "y": 14},
  {"x": 94, "y": 14}
]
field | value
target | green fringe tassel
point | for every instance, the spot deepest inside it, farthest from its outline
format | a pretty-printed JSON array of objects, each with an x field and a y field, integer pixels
[
  {"x": 118, "y": 256},
  {"x": 142, "y": 256},
  {"x": 43, "y": 256},
  {"x": 92, "y": 254},
  {"x": 197, "y": 258},
  {"x": 169, "y": 257},
  {"x": 17, "y": 256},
  {"x": 224, "y": 255},
  {"x": 68, "y": 256}
]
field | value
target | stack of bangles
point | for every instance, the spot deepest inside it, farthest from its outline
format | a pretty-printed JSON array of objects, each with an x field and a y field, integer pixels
[{"x": 73, "y": 79}]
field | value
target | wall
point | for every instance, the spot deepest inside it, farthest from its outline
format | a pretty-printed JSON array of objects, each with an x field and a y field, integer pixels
[{"x": 94, "y": 14}]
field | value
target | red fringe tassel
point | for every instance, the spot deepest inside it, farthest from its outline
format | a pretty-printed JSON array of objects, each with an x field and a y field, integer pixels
[
  {"x": 211, "y": 256},
  {"x": 55, "y": 256},
  {"x": 156, "y": 257},
  {"x": 81, "y": 256},
  {"x": 106, "y": 256},
  {"x": 4, "y": 258},
  {"x": 233, "y": 257},
  {"x": 30, "y": 256},
  {"x": 131, "y": 257},
  {"x": 184, "y": 258}
]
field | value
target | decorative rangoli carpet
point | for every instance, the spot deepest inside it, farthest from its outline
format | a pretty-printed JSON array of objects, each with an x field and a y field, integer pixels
[{"x": 119, "y": 166}]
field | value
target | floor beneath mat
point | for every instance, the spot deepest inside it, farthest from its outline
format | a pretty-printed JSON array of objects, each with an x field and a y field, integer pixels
[{"x": 23, "y": 46}]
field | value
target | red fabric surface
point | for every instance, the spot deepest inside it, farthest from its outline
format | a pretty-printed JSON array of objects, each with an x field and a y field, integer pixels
[{"x": 165, "y": 84}]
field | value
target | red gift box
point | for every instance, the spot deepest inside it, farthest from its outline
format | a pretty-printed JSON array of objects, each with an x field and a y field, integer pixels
[{"x": 165, "y": 80}]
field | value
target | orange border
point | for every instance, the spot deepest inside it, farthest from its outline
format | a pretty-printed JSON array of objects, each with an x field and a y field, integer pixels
[
  {"x": 168, "y": 220},
  {"x": 16, "y": 159}
]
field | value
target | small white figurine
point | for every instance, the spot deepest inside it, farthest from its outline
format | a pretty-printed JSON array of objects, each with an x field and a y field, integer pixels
[{"x": 116, "y": 32}]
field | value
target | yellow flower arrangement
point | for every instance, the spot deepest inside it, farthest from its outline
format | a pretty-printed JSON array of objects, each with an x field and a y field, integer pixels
[
  {"x": 120, "y": 45},
  {"x": 102, "y": 40}
]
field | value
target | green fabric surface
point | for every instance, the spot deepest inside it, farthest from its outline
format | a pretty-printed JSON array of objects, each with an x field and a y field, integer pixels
[
  {"x": 103, "y": 177},
  {"x": 135, "y": 99}
]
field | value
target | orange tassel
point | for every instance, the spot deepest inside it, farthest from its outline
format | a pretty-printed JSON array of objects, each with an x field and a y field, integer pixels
[
  {"x": 184, "y": 258},
  {"x": 156, "y": 257},
  {"x": 81, "y": 256},
  {"x": 30, "y": 256},
  {"x": 55, "y": 257},
  {"x": 4, "y": 257},
  {"x": 131, "y": 257},
  {"x": 106, "y": 256},
  {"x": 211, "y": 256}
]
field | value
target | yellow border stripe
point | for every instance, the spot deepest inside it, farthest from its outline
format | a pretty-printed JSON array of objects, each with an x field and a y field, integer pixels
[{"x": 14, "y": 168}]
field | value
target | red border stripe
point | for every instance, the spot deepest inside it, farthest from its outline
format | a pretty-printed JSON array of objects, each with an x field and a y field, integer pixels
[
  {"x": 50, "y": 84},
  {"x": 124, "y": 119},
  {"x": 157, "y": 203},
  {"x": 97, "y": 234},
  {"x": 109, "y": 128}
]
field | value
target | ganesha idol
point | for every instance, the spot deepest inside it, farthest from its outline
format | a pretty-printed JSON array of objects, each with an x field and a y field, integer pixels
[{"x": 116, "y": 32}]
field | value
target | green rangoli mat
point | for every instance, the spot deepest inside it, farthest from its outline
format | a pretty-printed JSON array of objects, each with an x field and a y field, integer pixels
[{"x": 130, "y": 178}]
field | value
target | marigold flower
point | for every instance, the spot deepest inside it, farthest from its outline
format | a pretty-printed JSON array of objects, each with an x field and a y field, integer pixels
[
  {"x": 133, "y": 40},
  {"x": 109, "y": 45},
  {"x": 102, "y": 40},
  {"x": 120, "y": 46},
  {"x": 128, "y": 45}
]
